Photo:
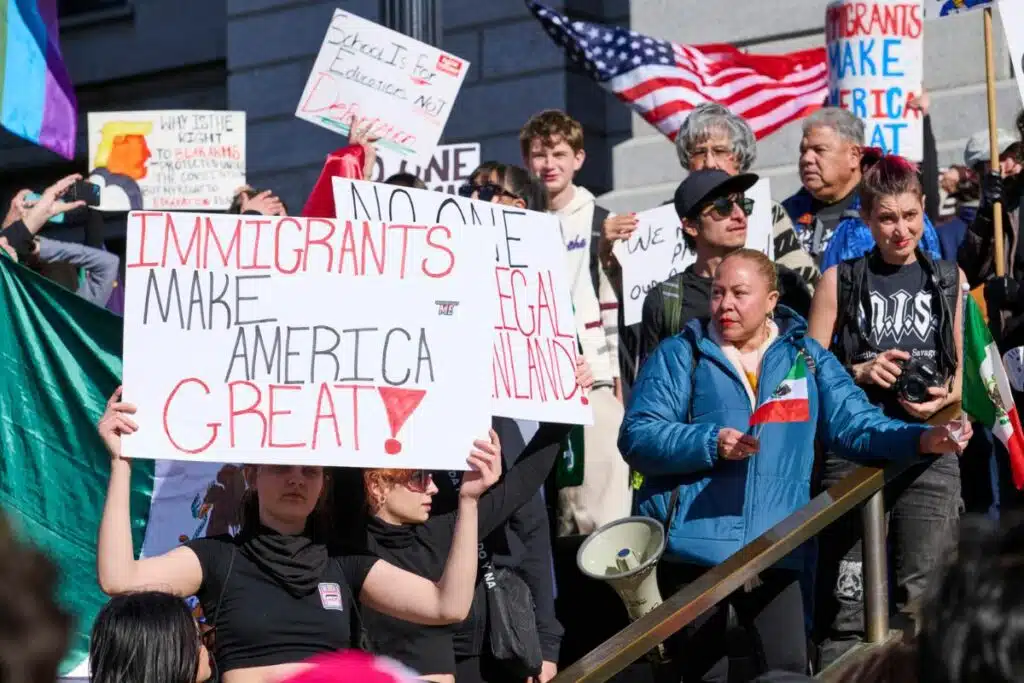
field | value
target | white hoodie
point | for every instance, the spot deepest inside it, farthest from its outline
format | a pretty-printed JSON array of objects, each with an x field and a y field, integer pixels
[{"x": 577, "y": 220}]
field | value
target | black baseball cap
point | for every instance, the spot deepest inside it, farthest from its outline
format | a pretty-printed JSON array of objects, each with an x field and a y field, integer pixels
[{"x": 701, "y": 187}]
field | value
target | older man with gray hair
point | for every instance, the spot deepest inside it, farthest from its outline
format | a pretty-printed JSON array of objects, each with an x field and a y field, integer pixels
[
  {"x": 826, "y": 211},
  {"x": 830, "y": 154}
]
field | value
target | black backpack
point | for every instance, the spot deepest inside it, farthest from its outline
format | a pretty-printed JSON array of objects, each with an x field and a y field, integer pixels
[{"x": 852, "y": 278}]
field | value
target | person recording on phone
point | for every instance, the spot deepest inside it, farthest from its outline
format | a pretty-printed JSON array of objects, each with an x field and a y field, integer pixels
[
  {"x": 86, "y": 268},
  {"x": 893, "y": 318}
]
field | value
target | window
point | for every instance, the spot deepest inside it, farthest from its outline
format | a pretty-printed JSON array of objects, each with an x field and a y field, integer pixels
[{"x": 77, "y": 8}]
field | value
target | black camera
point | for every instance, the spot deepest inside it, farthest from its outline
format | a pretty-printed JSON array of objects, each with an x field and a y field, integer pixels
[{"x": 917, "y": 376}]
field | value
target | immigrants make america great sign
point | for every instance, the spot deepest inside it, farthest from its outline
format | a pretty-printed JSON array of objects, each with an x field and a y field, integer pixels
[
  {"x": 368, "y": 74},
  {"x": 307, "y": 341}
]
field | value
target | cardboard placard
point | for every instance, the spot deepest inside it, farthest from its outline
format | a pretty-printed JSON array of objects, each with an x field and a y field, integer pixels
[
  {"x": 167, "y": 160},
  {"x": 876, "y": 67},
  {"x": 533, "y": 346},
  {"x": 307, "y": 341},
  {"x": 368, "y": 74}
]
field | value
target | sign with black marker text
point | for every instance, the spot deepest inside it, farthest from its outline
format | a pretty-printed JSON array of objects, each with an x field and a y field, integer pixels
[
  {"x": 307, "y": 341},
  {"x": 533, "y": 344},
  {"x": 368, "y": 74},
  {"x": 447, "y": 170}
]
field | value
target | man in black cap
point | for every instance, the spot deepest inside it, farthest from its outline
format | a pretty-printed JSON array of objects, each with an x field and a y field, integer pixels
[{"x": 713, "y": 211}]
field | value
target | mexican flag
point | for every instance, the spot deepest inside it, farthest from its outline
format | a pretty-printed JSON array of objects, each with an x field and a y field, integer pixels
[
  {"x": 60, "y": 359},
  {"x": 788, "y": 403},
  {"x": 986, "y": 390}
]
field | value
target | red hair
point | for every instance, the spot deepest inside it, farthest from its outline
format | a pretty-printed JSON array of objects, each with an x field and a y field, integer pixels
[{"x": 886, "y": 175}]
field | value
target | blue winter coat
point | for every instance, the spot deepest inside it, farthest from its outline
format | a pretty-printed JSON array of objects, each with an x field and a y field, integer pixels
[{"x": 670, "y": 435}]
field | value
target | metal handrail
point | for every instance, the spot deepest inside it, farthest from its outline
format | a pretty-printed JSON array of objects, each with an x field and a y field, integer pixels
[{"x": 719, "y": 582}]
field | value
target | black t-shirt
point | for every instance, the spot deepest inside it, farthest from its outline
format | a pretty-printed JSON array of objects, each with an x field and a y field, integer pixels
[
  {"x": 829, "y": 215},
  {"x": 896, "y": 312},
  {"x": 259, "y": 623}
]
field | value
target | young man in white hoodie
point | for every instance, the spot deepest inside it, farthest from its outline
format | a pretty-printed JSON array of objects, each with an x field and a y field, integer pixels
[{"x": 552, "y": 146}]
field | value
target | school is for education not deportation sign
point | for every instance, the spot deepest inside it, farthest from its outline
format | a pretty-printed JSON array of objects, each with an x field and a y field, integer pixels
[
  {"x": 307, "y": 340},
  {"x": 532, "y": 344},
  {"x": 368, "y": 74},
  {"x": 876, "y": 68}
]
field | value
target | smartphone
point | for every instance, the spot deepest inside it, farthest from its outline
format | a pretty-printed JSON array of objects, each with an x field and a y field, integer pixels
[
  {"x": 83, "y": 189},
  {"x": 35, "y": 197}
]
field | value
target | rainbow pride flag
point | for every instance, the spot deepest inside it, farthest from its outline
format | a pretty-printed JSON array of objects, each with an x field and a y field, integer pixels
[{"x": 37, "y": 101}]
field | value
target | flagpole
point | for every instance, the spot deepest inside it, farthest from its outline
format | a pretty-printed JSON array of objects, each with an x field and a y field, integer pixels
[{"x": 990, "y": 84}]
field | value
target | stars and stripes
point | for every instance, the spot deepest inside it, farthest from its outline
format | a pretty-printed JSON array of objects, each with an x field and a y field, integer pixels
[{"x": 663, "y": 81}]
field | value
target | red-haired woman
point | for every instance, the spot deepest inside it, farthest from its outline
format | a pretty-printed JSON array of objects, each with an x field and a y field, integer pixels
[{"x": 892, "y": 318}]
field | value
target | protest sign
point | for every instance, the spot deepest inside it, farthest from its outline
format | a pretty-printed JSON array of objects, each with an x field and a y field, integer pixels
[
  {"x": 307, "y": 340},
  {"x": 1011, "y": 12},
  {"x": 448, "y": 168},
  {"x": 175, "y": 159},
  {"x": 935, "y": 9},
  {"x": 876, "y": 67},
  {"x": 533, "y": 345},
  {"x": 368, "y": 74},
  {"x": 656, "y": 250}
]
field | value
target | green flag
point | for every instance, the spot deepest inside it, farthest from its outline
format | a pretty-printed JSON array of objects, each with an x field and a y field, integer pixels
[{"x": 61, "y": 360}]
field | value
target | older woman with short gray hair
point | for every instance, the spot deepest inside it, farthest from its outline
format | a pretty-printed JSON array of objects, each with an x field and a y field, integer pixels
[{"x": 714, "y": 137}]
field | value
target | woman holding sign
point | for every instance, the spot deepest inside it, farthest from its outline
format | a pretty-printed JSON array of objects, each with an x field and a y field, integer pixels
[
  {"x": 274, "y": 595},
  {"x": 406, "y": 528},
  {"x": 722, "y": 425}
]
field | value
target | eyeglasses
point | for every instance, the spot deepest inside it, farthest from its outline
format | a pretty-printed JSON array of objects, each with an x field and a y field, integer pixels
[
  {"x": 419, "y": 480},
  {"x": 486, "y": 192},
  {"x": 721, "y": 208}
]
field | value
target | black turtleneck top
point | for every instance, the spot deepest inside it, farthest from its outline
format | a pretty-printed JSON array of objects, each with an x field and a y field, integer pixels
[
  {"x": 423, "y": 549},
  {"x": 261, "y": 621}
]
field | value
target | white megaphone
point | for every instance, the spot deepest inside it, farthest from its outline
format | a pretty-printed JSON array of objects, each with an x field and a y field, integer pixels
[{"x": 625, "y": 553}]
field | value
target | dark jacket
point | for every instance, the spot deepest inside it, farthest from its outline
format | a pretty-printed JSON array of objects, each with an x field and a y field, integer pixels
[
  {"x": 523, "y": 544},
  {"x": 976, "y": 258}
]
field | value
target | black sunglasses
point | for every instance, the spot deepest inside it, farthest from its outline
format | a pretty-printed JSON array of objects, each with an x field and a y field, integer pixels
[
  {"x": 722, "y": 207},
  {"x": 486, "y": 192}
]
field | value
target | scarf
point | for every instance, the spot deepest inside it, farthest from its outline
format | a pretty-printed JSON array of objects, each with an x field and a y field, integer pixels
[{"x": 296, "y": 563}]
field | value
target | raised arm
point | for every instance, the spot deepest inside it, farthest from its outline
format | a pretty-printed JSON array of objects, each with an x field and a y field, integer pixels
[
  {"x": 410, "y": 597},
  {"x": 177, "y": 571},
  {"x": 656, "y": 437},
  {"x": 821, "y": 322}
]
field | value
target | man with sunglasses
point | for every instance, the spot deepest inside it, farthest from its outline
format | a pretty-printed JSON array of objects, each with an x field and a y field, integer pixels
[{"x": 713, "y": 209}]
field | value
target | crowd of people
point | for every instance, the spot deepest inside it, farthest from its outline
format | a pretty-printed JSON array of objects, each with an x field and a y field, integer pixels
[{"x": 856, "y": 323}]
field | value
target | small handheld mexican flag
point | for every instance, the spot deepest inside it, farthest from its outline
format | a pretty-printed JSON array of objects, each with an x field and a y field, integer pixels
[
  {"x": 986, "y": 390},
  {"x": 788, "y": 403}
]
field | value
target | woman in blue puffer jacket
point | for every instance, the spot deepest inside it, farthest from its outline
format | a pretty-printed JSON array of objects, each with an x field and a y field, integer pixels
[{"x": 718, "y": 484}]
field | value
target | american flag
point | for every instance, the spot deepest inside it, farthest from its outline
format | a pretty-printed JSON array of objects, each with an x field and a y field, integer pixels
[{"x": 663, "y": 81}]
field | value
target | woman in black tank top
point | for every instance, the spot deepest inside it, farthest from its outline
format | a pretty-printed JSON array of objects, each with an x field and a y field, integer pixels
[
  {"x": 893, "y": 318},
  {"x": 275, "y": 596}
]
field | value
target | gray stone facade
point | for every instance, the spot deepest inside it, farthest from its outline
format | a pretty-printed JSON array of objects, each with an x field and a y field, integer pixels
[{"x": 255, "y": 55}]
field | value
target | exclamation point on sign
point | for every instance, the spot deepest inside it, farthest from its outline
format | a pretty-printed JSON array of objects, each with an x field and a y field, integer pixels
[{"x": 399, "y": 404}]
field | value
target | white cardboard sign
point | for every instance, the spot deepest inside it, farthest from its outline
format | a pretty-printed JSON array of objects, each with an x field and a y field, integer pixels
[
  {"x": 533, "y": 344},
  {"x": 368, "y": 73},
  {"x": 447, "y": 170},
  {"x": 656, "y": 251},
  {"x": 307, "y": 340},
  {"x": 167, "y": 160},
  {"x": 876, "y": 66}
]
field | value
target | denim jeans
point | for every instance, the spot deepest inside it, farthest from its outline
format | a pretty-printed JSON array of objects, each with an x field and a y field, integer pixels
[{"x": 923, "y": 506}]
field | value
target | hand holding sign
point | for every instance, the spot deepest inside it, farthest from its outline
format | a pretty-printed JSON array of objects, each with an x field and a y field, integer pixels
[
  {"x": 359, "y": 134},
  {"x": 485, "y": 468}
]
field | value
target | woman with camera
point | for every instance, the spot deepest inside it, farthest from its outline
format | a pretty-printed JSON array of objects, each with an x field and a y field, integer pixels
[{"x": 893, "y": 318}]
